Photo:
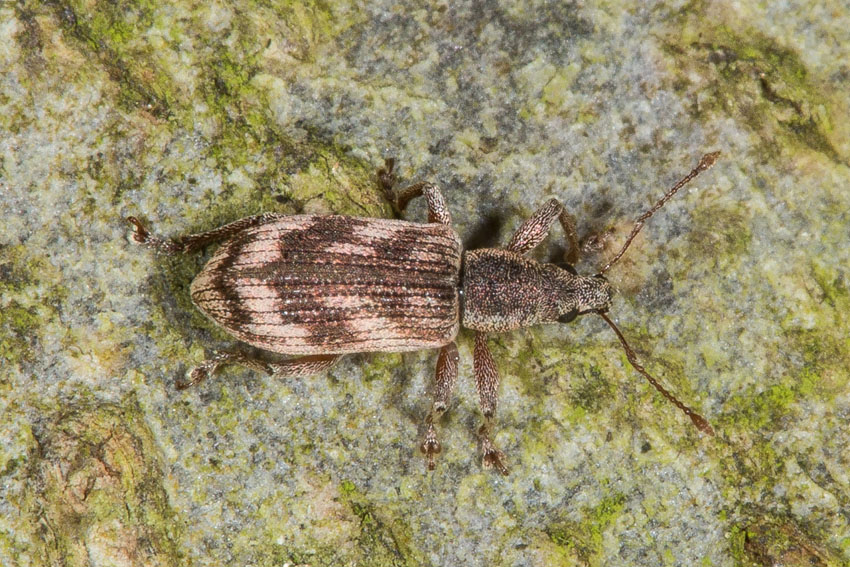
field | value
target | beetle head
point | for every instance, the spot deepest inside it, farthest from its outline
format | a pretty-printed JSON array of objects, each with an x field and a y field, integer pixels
[
  {"x": 594, "y": 293},
  {"x": 584, "y": 294}
]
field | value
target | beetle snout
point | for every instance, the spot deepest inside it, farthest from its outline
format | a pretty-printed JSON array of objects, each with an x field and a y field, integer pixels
[
  {"x": 607, "y": 290},
  {"x": 596, "y": 293}
]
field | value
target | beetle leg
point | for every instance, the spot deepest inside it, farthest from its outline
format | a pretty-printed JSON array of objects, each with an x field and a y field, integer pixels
[
  {"x": 386, "y": 177},
  {"x": 444, "y": 384},
  {"x": 487, "y": 382},
  {"x": 194, "y": 242},
  {"x": 536, "y": 227},
  {"x": 301, "y": 366},
  {"x": 438, "y": 209}
]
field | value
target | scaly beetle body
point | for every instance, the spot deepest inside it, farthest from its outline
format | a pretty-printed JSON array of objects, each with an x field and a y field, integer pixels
[{"x": 324, "y": 286}]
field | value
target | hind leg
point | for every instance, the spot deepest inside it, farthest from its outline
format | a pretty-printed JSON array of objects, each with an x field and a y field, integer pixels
[
  {"x": 194, "y": 242},
  {"x": 438, "y": 209},
  {"x": 301, "y": 366}
]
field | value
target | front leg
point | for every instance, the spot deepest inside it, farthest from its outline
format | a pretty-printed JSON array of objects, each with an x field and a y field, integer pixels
[
  {"x": 438, "y": 209},
  {"x": 487, "y": 382},
  {"x": 536, "y": 227}
]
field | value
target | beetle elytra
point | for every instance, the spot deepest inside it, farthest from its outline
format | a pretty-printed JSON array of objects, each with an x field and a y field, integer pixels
[{"x": 319, "y": 287}]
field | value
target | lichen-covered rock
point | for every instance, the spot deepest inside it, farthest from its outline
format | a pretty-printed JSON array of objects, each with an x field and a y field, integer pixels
[
  {"x": 97, "y": 490},
  {"x": 190, "y": 115}
]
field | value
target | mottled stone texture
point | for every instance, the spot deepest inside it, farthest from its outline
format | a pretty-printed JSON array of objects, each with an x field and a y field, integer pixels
[{"x": 192, "y": 115}]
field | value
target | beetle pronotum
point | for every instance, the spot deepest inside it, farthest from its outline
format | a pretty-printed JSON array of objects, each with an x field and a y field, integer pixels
[{"x": 324, "y": 286}]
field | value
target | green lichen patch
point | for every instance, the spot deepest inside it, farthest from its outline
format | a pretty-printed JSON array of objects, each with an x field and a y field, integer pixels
[
  {"x": 31, "y": 292},
  {"x": 585, "y": 538},
  {"x": 381, "y": 538},
  {"x": 836, "y": 296},
  {"x": 332, "y": 182},
  {"x": 113, "y": 32},
  {"x": 227, "y": 103},
  {"x": 825, "y": 358},
  {"x": 759, "y": 408},
  {"x": 766, "y": 541},
  {"x": 590, "y": 389},
  {"x": 544, "y": 549},
  {"x": 310, "y": 525},
  {"x": 732, "y": 71},
  {"x": 100, "y": 494},
  {"x": 810, "y": 362},
  {"x": 817, "y": 372}
]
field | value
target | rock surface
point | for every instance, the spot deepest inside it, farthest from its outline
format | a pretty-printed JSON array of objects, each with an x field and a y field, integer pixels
[{"x": 191, "y": 115}]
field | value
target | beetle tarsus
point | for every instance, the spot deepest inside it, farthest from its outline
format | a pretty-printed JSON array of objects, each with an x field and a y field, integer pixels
[
  {"x": 142, "y": 236},
  {"x": 207, "y": 368},
  {"x": 431, "y": 447},
  {"x": 492, "y": 458},
  {"x": 198, "y": 375},
  {"x": 386, "y": 178},
  {"x": 140, "y": 233},
  {"x": 444, "y": 384}
]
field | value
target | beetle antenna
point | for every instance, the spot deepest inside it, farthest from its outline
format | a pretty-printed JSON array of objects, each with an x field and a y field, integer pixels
[
  {"x": 706, "y": 162},
  {"x": 699, "y": 421}
]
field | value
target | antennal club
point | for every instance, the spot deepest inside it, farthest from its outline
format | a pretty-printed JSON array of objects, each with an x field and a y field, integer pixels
[
  {"x": 706, "y": 162},
  {"x": 699, "y": 421}
]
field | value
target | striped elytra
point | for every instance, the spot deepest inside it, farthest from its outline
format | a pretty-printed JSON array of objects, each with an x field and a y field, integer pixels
[{"x": 332, "y": 285}]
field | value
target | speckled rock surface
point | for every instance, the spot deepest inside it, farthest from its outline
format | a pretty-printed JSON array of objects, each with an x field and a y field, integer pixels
[{"x": 192, "y": 115}]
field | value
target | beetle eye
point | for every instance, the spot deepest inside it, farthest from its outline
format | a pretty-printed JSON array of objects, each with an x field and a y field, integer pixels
[
  {"x": 567, "y": 267},
  {"x": 568, "y": 317}
]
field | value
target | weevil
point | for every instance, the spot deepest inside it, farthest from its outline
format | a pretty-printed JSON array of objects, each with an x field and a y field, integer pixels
[{"x": 318, "y": 287}]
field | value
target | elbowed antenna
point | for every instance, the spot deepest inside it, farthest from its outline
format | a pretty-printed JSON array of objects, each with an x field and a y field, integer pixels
[
  {"x": 706, "y": 162},
  {"x": 699, "y": 421}
]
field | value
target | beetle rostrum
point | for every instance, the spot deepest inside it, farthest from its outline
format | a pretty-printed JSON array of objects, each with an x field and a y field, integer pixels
[{"x": 317, "y": 287}]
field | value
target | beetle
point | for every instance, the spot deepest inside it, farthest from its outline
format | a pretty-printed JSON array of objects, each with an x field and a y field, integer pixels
[{"x": 322, "y": 286}]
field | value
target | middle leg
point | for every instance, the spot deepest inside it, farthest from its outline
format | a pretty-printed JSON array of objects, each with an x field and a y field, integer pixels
[
  {"x": 487, "y": 382},
  {"x": 444, "y": 384}
]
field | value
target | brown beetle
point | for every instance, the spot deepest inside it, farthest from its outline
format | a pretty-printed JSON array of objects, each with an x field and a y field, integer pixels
[{"x": 324, "y": 286}]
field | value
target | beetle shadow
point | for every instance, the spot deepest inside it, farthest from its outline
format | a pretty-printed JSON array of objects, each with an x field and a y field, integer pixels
[{"x": 485, "y": 233}]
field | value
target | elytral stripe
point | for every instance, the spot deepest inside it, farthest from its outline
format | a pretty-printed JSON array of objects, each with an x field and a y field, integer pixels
[{"x": 375, "y": 335}]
